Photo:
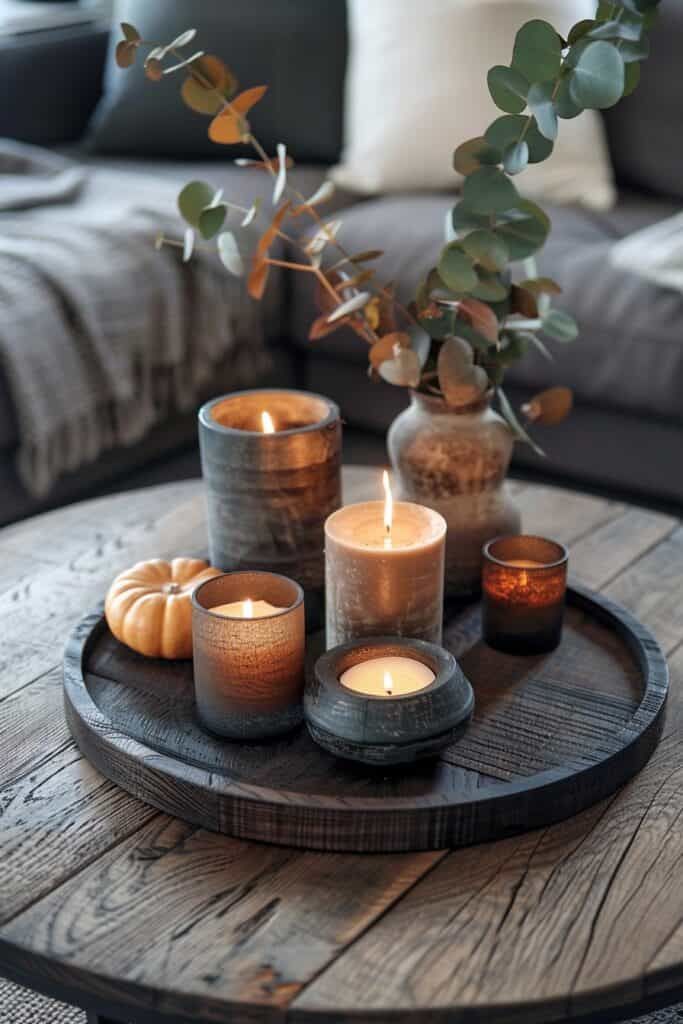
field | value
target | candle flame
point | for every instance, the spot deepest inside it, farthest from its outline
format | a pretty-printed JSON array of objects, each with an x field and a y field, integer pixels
[
  {"x": 388, "y": 684},
  {"x": 388, "y": 505},
  {"x": 267, "y": 423},
  {"x": 248, "y": 608}
]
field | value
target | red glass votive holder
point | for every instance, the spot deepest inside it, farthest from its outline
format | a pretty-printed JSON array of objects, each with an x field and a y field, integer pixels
[{"x": 524, "y": 584}]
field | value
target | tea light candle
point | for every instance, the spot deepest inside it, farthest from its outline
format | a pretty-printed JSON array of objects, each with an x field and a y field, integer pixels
[
  {"x": 350, "y": 712},
  {"x": 384, "y": 571},
  {"x": 271, "y": 463},
  {"x": 387, "y": 677},
  {"x": 248, "y": 654},
  {"x": 524, "y": 584}
]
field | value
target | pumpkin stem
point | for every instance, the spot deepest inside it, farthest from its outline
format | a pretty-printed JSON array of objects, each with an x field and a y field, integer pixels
[{"x": 172, "y": 588}]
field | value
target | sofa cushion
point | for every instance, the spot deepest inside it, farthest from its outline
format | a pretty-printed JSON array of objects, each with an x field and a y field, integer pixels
[
  {"x": 644, "y": 130},
  {"x": 296, "y": 48},
  {"x": 629, "y": 354}
]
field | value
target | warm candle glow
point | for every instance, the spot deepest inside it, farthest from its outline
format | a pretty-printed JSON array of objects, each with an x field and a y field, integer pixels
[
  {"x": 387, "y": 676},
  {"x": 388, "y": 684},
  {"x": 267, "y": 423},
  {"x": 388, "y": 508},
  {"x": 248, "y": 604}
]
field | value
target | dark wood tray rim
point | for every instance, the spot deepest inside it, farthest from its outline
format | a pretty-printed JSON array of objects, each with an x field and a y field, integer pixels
[{"x": 110, "y": 750}]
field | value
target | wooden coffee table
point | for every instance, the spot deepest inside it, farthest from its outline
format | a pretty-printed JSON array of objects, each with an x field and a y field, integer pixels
[{"x": 106, "y": 903}]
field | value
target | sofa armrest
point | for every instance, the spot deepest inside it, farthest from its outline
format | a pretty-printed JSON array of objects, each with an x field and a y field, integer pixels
[{"x": 52, "y": 80}]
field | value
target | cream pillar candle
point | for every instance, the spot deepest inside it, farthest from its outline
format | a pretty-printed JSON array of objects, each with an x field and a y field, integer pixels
[{"x": 384, "y": 571}]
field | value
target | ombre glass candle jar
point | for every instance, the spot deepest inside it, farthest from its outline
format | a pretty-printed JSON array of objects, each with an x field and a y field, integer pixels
[
  {"x": 248, "y": 637},
  {"x": 524, "y": 583}
]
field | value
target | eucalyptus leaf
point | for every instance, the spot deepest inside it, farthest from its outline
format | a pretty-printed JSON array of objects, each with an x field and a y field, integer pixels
[
  {"x": 620, "y": 29},
  {"x": 518, "y": 431},
  {"x": 183, "y": 39},
  {"x": 540, "y": 101},
  {"x": 352, "y": 305},
  {"x": 281, "y": 176},
  {"x": 581, "y": 29},
  {"x": 486, "y": 248},
  {"x": 560, "y": 326},
  {"x": 251, "y": 213},
  {"x": 403, "y": 369},
  {"x": 631, "y": 77},
  {"x": 211, "y": 220},
  {"x": 489, "y": 190},
  {"x": 508, "y": 88},
  {"x": 537, "y": 53},
  {"x": 460, "y": 380},
  {"x": 564, "y": 104},
  {"x": 193, "y": 200},
  {"x": 635, "y": 51},
  {"x": 490, "y": 288},
  {"x": 524, "y": 228},
  {"x": 456, "y": 268},
  {"x": 229, "y": 254},
  {"x": 597, "y": 81},
  {"x": 507, "y": 130},
  {"x": 474, "y": 153},
  {"x": 516, "y": 157},
  {"x": 188, "y": 245}
]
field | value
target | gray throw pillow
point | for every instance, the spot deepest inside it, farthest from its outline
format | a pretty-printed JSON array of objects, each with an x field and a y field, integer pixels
[{"x": 296, "y": 47}]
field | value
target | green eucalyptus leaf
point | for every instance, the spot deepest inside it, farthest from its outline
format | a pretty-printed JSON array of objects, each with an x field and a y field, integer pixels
[
  {"x": 476, "y": 340},
  {"x": 580, "y": 29},
  {"x": 438, "y": 327},
  {"x": 540, "y": 101},
  {"x": 575, "y": 51},
  {"x": 597, "y": 81},
  {"x": 564, "y": 105},
  {"x": 456, "y": 268},
  {"x": 490, "y": 287},
  {"x": 639, "y": 50},
  {"x": 489, "y": 190},
  {"x": 524, "y": 229},
  {"x": 622, "y": 29},
  {"x": 631, "y": 77},
  {"x": 474, "y": 153},
  {"x": 560, "y": 325},
  {"x": 537, "y": 53},
  {"x": 511, "y": 128},
  {"x": 193, "y": 199},
  {"x": 487, "y": 249},
  {"x": 516, "y": 157},
  {"x": 508, "y": 89},
  {"x": 211, "y": 220}
]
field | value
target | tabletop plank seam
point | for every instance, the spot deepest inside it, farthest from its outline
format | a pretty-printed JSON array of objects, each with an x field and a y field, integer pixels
[
  {"x": 641, "y": 554},
  {"x": 31, "y": 682}
]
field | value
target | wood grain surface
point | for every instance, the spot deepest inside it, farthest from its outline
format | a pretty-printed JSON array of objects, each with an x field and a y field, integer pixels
[{"x": 138, "y": 916}]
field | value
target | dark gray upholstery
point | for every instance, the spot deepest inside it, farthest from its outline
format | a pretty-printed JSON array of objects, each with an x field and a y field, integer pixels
[{"x": 297, "y": 47}]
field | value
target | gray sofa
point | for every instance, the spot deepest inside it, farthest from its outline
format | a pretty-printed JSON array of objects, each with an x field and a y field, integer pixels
[{"x": 626, "y": 432}]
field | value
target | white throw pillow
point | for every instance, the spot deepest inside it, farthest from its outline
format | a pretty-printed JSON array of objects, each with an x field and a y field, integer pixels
[{"x": 416, "y": 88}]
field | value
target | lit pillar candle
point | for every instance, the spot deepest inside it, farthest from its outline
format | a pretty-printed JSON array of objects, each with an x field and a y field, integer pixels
[{"x": 384, "y": 571}]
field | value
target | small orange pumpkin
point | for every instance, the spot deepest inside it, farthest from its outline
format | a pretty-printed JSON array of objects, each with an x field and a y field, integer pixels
[{"x": 148, "y": 606}]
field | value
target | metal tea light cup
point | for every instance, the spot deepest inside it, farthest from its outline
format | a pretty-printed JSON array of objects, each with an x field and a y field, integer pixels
[{"x": 249, "y": 672}]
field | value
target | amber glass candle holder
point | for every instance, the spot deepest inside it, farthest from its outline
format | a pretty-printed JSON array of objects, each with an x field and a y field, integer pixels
[
  {"x": 249, "y": 671},
  {"x": 524, "y": 584}
]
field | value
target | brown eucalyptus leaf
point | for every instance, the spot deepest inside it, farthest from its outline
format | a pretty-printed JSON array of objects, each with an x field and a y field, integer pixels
[
  {"x": 459, "y": 379},
  {"x": 541, "y": 286},
  {"x": 366, "y": 256},
  {"x": 154, "y": 69},
  {"x": 125, "y": 53},
  {"x": 523, "y": 301},
  {"x": 130, "y": 33},
  {"x": 208, "y": 84},
  {"x": 403, "y": 369},
  {"x": 388, "y": 347},
  {"x": 358, "y": 279},
  {"x": 549, "y": 407},
  {"x": 373, "y": 313},
  {"x": 230, "y": 126},
  {"x": 481, "y": 317},
  {"x": 270, "y": 234}
]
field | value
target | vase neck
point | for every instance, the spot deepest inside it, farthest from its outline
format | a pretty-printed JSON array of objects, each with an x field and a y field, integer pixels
[{"x": 438, "y": 406}]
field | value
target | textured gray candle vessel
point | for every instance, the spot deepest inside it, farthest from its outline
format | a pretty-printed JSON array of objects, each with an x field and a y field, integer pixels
[{"x": 269, "y": 494}]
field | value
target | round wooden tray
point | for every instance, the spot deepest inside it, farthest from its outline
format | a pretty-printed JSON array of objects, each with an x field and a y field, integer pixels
[{"x": 550, "y": 735}]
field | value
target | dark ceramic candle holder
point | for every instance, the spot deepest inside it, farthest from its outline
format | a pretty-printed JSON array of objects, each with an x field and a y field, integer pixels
[{"x": 386, "y": 730}]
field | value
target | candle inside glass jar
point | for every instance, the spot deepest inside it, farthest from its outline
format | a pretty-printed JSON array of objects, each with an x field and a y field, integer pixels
[
  {"x": 247, "y": 609},
  {"x": 267, "y": 424},
  {"x": 524, "y": 583},
  {"x": 387, "y": 677}
]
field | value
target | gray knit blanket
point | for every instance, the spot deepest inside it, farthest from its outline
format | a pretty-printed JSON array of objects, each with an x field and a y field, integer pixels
[{"x": 101, "y": 336}]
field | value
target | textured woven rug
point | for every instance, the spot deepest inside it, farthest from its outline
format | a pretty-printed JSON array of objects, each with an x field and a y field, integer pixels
[{"x": 21, "y": 1006}]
